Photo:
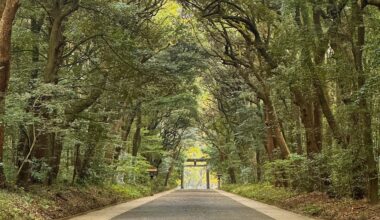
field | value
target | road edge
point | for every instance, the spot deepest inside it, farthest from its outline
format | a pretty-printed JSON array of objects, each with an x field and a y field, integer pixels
[
  {"x": 114, "y": 210},
  {"x": 269, "y": 210}
]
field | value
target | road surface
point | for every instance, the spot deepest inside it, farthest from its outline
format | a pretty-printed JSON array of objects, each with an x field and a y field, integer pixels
[
  {"x": 192, "y": 205},
  {"x": 209, "y": 205}
]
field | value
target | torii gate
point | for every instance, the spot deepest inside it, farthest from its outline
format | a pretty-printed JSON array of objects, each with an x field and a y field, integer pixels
[{"x": 195, "y": 160}]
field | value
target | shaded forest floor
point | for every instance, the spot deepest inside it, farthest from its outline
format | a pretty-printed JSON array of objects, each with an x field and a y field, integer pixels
[
  {"x": 61, "y": 201},
  {"x": 314, "y": 204}
]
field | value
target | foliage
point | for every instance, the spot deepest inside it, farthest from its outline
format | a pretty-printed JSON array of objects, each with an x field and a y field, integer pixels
[
  {"x": 131, "y": 191},
  {"x": 264, "y": 192},
  {"x": 284, "y": 88},
  {"x": 315, "y": 204},
  {"x": 285, "y": 92},
  {"x": 60, "y": 201}
]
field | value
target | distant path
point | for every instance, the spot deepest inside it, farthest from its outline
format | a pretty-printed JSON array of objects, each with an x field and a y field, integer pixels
[{"x": 192, "y": 205}]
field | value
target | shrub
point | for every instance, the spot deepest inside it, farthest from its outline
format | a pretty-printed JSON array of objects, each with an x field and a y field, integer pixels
[
  {"x": 264, "y": 192},
  {"x": 131, "y": 191}
]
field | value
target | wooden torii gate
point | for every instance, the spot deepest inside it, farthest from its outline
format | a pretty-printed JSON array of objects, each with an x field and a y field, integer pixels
[{"x": 194, "y": 161}]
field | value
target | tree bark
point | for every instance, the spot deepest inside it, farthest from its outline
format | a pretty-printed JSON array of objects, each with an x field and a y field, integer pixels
[
  {"x": 55, "y": 158},
  {"x": 24, "y": 145},
  {"x": 58, "y": 13},
  {"x": 311, "y": 120},
  {"x": 259, "y": 165},
  {"x": 269, "y": 138},
  {"x": 77, "y": 162},
  {"x": 27, "y": 133},
  {"x": 130, "y": 117},
  {"x": 274, "y": 125},
  {"x": 8, "y": 10},
  {"x": 319, "y": 56},
  {"x": 176, "y": 156},
  {"x": 298, "y": 129},
  {"x": 137, "y": 136},
  {"x": 47, "y": 149},
  {"x": 317, "y": 123},
  {"x": 94, "y": 135},
  {"x": 364, "y": 111},
  {"x": 231, "y": 173}
]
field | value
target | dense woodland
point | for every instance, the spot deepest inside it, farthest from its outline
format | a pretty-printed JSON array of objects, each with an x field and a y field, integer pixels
[
  {"x": 95, "y": 90},
  {"x": 286, "y": 92}
]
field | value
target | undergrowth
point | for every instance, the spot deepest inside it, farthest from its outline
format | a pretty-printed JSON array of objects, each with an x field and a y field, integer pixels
[
  {"x": 260, "y": 192},
  {"x": 315, "y": 204},
  {"x": 62, "y": 201}
]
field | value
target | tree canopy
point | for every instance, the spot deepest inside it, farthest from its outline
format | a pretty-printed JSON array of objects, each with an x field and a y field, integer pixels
[{"x": 285, "y": 92}]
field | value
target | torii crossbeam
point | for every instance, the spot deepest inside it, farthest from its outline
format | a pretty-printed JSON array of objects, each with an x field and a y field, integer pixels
[{"x": 195, "y": 161}]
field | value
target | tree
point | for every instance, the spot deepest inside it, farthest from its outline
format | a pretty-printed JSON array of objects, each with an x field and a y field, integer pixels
[
  {"x": 8, "y": 9},
  {"x": 304, "y": 66}
]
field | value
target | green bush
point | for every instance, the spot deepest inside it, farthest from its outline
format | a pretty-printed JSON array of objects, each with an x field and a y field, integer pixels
[
  {"x": 347, "y": 176},
  {"x": 129, "y": 191},
  {"x": 13, "y": 206},
  {"x": 293, "y": 172},
  {"x": 264, "y": 192},
  {"x": 312, "y": 209},
  {"x": 335, "y": 171}
]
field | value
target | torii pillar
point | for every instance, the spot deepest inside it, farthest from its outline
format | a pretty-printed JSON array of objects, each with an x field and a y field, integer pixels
[{"x": 196, "y": 165}]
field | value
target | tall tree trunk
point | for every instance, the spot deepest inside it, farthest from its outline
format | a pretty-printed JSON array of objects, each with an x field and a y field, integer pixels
[
  {"x": 317, "y": 123},
  {"x": 27, "y": 133},
  {"x": 175, "y": 158},
  {"x": 47, "y": 149},
  {"x": 8, "y": 10},
  {"x": 364, "y": 112},
  {"x": 274, "y": 125},
  {"x": 77, "y": 162},
  {"x": 327, "y": 112},
  {"x": 308, "y": 121},
  {"x": 311, "y": 120},
  {"x": 52, "y": 150},
  {"x": 298, "y": 134},
  {"x": 231, "y": 173},
  {"x": 55, "y": 158},
  {"x": 258, "y": 165},
  {"x": 168, "y": 174},
  {"x": 126, "y": 130},
  {"x": 137, "y": 137},
  {"x": 40, "y": 153},
  {"x": 94, "y": 135},
  {"x": 319, "y": 56},
  {"x": 269, "y": 137},
  {"x": 23, "y": 163}
]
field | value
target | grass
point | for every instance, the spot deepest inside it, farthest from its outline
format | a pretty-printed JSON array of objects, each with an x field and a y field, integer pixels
[
  {"x": 16, "y": 205},
  {"x": 315, "y": 204},
  {"x": 312, "y": 209}
]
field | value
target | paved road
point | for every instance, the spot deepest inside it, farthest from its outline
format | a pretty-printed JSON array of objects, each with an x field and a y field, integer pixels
[{"x": 194, "y": 205}]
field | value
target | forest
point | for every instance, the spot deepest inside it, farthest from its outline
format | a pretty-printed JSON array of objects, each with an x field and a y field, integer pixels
[{"x": 284, "y": 93}]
